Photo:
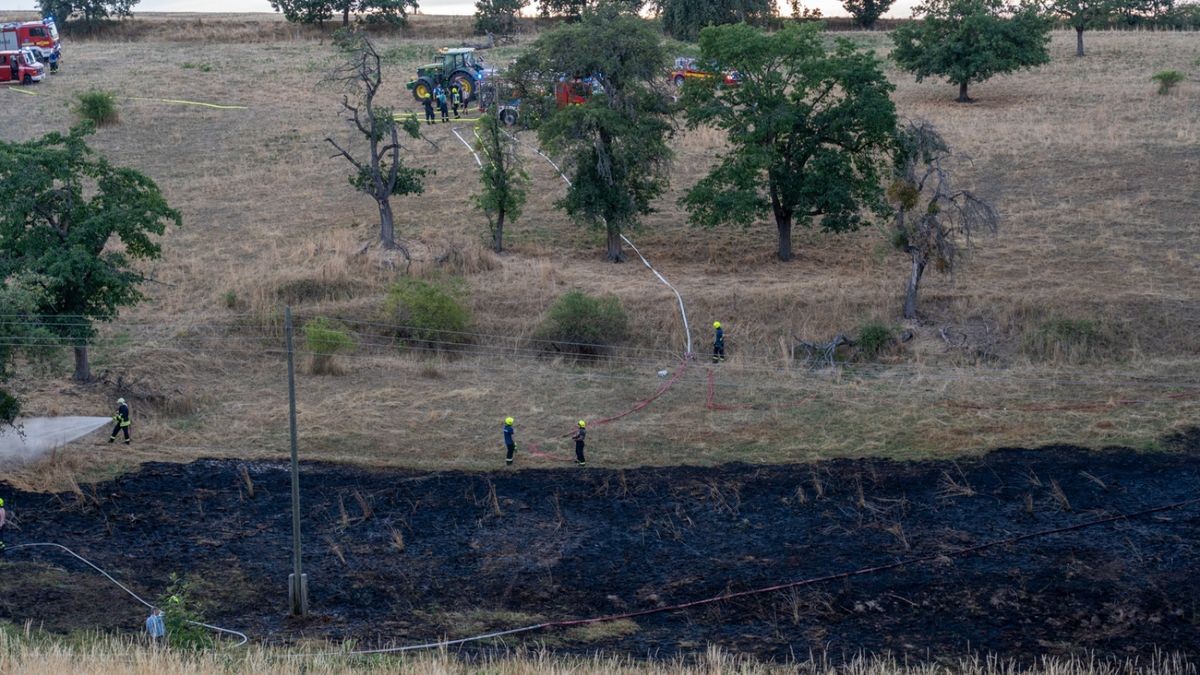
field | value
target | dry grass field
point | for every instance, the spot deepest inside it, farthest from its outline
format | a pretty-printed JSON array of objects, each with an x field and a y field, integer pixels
[
  {"x": 100, "y": 656},
  {"x": 1094, "y": 174}
]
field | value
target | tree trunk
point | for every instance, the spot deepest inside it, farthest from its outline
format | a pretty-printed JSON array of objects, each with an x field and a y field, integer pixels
[
  {"x": 346, "y": 15},
  {"x": 498, "y": 233},
  {"x": 1078, "y": 40},
  {"x": 784, "y": 223},
  {"x": 914, "y": 284},
  {"x": 83, "y": 371},
  {"x": 962, "y": 92},
  {"x": 387, "y": 225},
  {"x": 616, "y": 253}
]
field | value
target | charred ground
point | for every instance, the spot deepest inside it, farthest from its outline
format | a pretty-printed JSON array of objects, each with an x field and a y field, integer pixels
[{"x": 398, "y": 556}]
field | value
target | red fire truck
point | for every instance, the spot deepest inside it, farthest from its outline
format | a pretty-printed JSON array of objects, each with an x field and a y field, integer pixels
[
  {"x": 39, "y": 36},
  {"x": 20, "y": 67}
]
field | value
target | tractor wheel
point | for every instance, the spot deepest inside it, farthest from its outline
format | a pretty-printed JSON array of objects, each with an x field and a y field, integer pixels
[
  {"x": 423, "y": 90},
  {"x": 465, "y": 84},
  {"x": 508, "y": 116}
]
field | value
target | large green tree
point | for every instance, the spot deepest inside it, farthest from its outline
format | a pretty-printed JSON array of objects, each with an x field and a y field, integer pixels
[
  {"x": 808, "y": 130},
  {"x": 1082, "y": 15},
  {"x": 497, "y": 16},
  {"x": 969, "y": 41},
  {"x": 683, "y": 19},
  {"x": 87, "y": 11},
  {"x": 616, "y": 141},
  {"x": 78, "y": 223},
  {"x": 867, "y": 12}
]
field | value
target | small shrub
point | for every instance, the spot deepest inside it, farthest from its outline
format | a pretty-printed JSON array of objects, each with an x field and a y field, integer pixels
[
  {"x": 99, "y": 107},
  {"x": 230, "y": 299},
  {"x": 582, "y": 324},
  {"x": 874, "y": 339},
  {"x": 179, "y": 610},
  {"x": 1167, "y": 80},
  {"x": 430, "y": 312},
  {"x": 324, "y": 338}
]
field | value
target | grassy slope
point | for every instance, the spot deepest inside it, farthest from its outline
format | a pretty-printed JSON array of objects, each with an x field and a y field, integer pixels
[{"x": 1087, "y": 165}]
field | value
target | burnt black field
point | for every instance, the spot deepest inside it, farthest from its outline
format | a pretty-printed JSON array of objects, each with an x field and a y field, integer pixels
[{"x": 574, "y": 543}]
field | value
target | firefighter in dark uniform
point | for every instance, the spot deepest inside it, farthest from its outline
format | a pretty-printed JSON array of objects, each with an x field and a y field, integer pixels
[
  {"x": 508, "y": 440},
  {"x": 121, "y": 421},
  {"x": 718, "y": 343},
  {"x": 456, "y": 101},
  {"x": 579, "y": 436},
  {"x": 428, "y": 103}
]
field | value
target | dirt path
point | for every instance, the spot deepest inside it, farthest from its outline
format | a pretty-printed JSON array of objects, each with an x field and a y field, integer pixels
[{"x": 400, "y": 556}]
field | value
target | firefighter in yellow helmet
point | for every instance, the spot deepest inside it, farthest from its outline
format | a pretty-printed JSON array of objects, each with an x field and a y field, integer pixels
[
  {"x": 578, "y": 436},
  {"x": 718, "y": 343},
  {"x": 508, "y": 440}
]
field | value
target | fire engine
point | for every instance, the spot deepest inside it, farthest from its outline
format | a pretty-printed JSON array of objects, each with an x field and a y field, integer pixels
[
  {"x": 20, "y": 67},
  {"x": 39, "y": 36},
  {"x": 687, "y": 68}
]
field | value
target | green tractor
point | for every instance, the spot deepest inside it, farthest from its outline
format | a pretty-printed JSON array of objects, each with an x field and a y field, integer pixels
[{"x": 454, "y": 67}]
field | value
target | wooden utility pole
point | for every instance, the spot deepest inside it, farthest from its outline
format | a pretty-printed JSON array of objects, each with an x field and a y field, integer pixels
[{"x": 297, "y": 581}]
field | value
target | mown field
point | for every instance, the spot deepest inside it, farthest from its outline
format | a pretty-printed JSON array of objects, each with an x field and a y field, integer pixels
[{"x": 1090, "y": 169}]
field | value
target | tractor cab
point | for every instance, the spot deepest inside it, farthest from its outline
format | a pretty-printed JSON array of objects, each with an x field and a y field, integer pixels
[{"x": 20, "y": 67}]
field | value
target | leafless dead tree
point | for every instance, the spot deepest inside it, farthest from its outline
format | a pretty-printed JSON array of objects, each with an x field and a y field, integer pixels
[
  {"x": 379, "y": 169},
  {"x": 934, "y": 222}
]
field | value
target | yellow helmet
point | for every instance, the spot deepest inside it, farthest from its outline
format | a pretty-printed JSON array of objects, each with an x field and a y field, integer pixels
[
  {"x": 508, "y": 421},
  {"x": 716, "y": 324},
  {"x": 1, "y": 502},
  {"x": 582, "y": 423}
]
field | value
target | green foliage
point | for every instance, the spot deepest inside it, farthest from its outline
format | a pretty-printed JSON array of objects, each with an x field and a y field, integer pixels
[
  {"x": 97, "y": 107},
  {"x": 431, "y": 313},
  {"x": 820, "y": 152},
  {"x": 503, "y": 179},
  {"x": 181, "y": 613},
  {"x": 89, "y": 12},
  {"x": 323, "y": 338},
  {"x": 683, "y": 19},
  {"x": 497, "y": 16},
  {"x": 1084, "y": 13},
  {"x": 21, "y": 331},
  {"x": 388, "y": 12},
  {"x": 582, "y": 324},
  {"x": 874, "y": 338},
  {"x": 615, "y": 142},
  {"x": 1167, "y": 80},
  {"x": 971, "y": 40},
  {"x": 867, "y": 12},
  {"x": 63, "y": 208}
]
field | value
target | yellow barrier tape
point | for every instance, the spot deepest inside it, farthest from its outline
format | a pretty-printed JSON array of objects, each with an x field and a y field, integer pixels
[
  {"x": 22, "y": 91},
  {"x": 183, "y": 102}
]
